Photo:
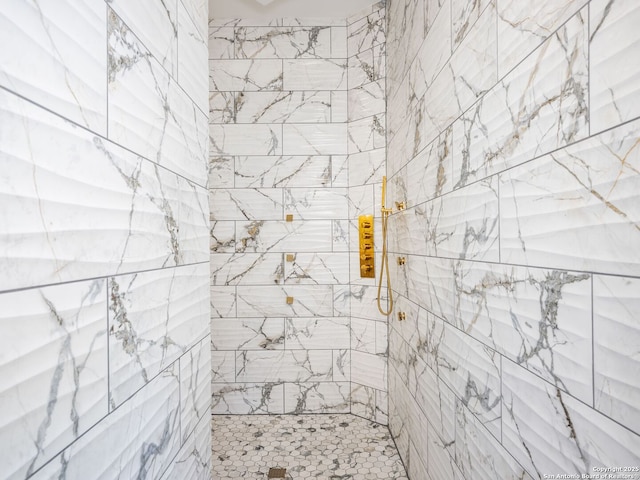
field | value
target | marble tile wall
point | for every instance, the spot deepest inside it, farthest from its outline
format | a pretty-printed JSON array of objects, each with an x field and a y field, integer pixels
[
  {"x": 104, "y": 291},
  {"x": 513, "y": 134},
  {"x": 296, "y": 128}
]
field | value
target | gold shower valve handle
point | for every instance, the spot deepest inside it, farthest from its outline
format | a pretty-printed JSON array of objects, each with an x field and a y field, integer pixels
[{"x": 365, "y": 236}]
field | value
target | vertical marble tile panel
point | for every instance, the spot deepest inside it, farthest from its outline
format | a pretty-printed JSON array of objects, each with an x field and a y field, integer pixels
[
  {"x": 193, "y": 461},
  {"x": 195, "y": 387},
  {"x": 192, "y": 59}
]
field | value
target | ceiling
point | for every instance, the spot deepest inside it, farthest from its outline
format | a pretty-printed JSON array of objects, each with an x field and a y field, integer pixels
[{"x": 286, "y": 8}]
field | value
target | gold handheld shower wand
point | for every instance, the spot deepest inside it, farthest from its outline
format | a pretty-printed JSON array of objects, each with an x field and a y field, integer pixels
[{"x": 385, "y": 258}]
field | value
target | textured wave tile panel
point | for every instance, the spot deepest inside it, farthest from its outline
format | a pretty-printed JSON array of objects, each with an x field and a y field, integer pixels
[
  {"x": 318, "y": 269},
  {"x": 145, "y": 216},
  {"x": 271, "y": 301},
  {"x": 319, "y": 397},
  {"x": 221, "y": 43},
  {"x": 549, "y": 431},
  {"x": 576, "y": 208},
  {"x": 53, "y": 380},
  {"x": 315, "y": 74},
  {"x": 62, "y": 74},
  {"x": 431, "y": 284},
  {"x": 193, "y": 461},
  {"x": 550, "y": 89},
  {"x": 154, "y": 317},
  {"x": 223, "y": 302},
  {"x": 277, "y": 172},
  {"x": 616, "y": 333},
  {"x": 523, "y": 27},
  {"x": 614, "y": 66},
  {"x": 366, "y": 33},
  {"x": 296, "y": 236},
  {"x": 316, "y": 139},
  {"x": 198, "y": 11},
  {"x": 316, "y": 204},
  {"x": 284, "y": 366},
  {"x": 110, "y": 451},
  {"x": 156, "y": 25},
  {"x": 369, "y": 370},
  {"x": 540, "y": 319},
  {"x": 248, "y": 333},
  {"x": 464, "y": 17},
  {"x": 247, "y": 398},
  {"x": 245, "y": 75},
  {"x": 479, "y": 455},
  {"x": 174, "y": 130},
  {"x": 283, "y": 107},
  {"x": 195, "y": 387},
  {"x": 317, "y": 333},
  {"x": 246, "y": 140},
  {"x": 435, "y": 112},
  {"x": 247, "y": 269},
  {"x": 193, "y": 70},
  {"x": 283, "y": 42},
  {"x": 368, "y": 66},
  {"x": 439, "y": 458},
  {"x": 246, "y": 204}
]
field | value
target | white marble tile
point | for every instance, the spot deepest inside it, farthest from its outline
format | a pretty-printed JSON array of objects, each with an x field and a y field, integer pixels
[
  {"x": 63, "y": 74},
  {"x": 246, "y": 204},
  {"x": 284, "y": 366},
  {"x": 246, "y": 269},
  {"x": 431, "y": 11},
  {"x": 195, "y": 387},
  {"x": 317, "y": 333},
  {"x": 222, "y": 107},
  {"x": 464, "y": 16},
  {"x": 315, "y": 74},
  {"x": 339, "y": 42},
  {"x": 192, "y": 59},
  {"x": 361, "y": 202},
  {"x": 283, "y": 107},
  {"x": 221, "y": 172},
  {"x": 369, "y": 370},
  {"x": 154, "y": 410},
  {"x": 271, "y": 301},
  {"x": 367, "y": 134},
  {"x": 223, "y": 302},
  {"x": 576, "y": 208},
  {"x": 247, "y": 398},
  {"x": 339, "y": 106},
  {"x": 193, "y": 461},
  {"x": 198, "y": 11},
  {"x": 319, "y": 397},
  {"x": 363, "y": 335},
  {"x": 156, "y": 217},
  {"x": 221, "y": 43},
  {"x": 315, "y": 139},
  {"x": 616, "y": 332},
  {"x": 363, "y": 401},
  {"x": 339, "y": 171},
  {"x": 340, "y": 235},
  {"x": 549, "y": 431},
  {"x": 296, "y": 236},
  {"x": 614, "y": 67},
  {"x": 289, "y": 171},
  {"x": 154, "y": 317},
  {"x": 365, "y": 67},
  {"x": 245, "y": 139},
  {"x": 53, "y": 380},
  {"x": 223, "y": 366},
  {"x": 366, "y": 100},
  {"x": 283, "y": 42},
  {"x": 367, "y": 167},
  {"x": 364, "y": 302},
  {"x": 342, "y": 365},
  {"x": 245, "y": 75},
  {"x": 316, "y": 204},
  {"x": 222, "y": 237},
  {"x": 366, "y": 33},
  {"x": 405, "y": 25},
  {"x": 155, "y": 24},
  {"x": 317, "y": 268},
  {"x": 247, "y": 333}
]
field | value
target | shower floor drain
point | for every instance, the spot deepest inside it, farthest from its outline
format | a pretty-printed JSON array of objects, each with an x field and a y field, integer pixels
[{"x": 277, "y": 473}]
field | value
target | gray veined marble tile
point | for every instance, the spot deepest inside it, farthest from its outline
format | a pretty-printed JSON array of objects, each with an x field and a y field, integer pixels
[
  {"x": 366, "y": 67},
  {"x": 315, "y": 74},
  {"x": 317, "y": 268},
  {"x": 154, "y": 317},
  {"x": 283, "y": 42},
  {"x": 616, "y": 333},
  {"x": 576, "y": 208},
  {"x": 296, "y": 236},
  {"x": 192, "y": 59},
  {"x": 248, "y": 333},
  {"x": 271, "y": 301},
  {"x": 316, "y": 204},
  {"x": 339, "y": 171},
  {"x": 222, "y": 107},
  {"x": 318, "y": 397},
  {"x": 406, "y": 23},
  {"x": 361, "y": 202},
  {"x": 366, "y": 33},
  {"x": 222, "y": 237},
  {"x": 283, "y": 107},
  {"x": 339, "y": 42},
  {"x": 223, "y": 365},
  {"x": 339, "y": 106},
  {"x": 53, "y": 380},
  {"x": 221, "y": 169},
  {"x": 464, "y": 15},
  {"x": 342, "y": 365},
  {"x": 317, "y": 333},
  {"x": 340, "y": 235},
  {"x": 284, "y": 366},
  {"x": 367, "y": 167},
  {"x": 366, "y": 100},
  {"x": 364, "y": 302},
  {"x": 195, "y": 387},
  {"x": 363, "y": 335},
  {"x": 193, "y": 461},
  {"x": 314, "y": 139},
  {"x": 167, "y": 213},
  {"x": 363, "y": 401},
  {"x": 614, "y": 67},
  {"x": 198, "y": 11},
  {"x": 431, "y": 11},
  {"x": 247, "y": 398},
  {"x": 62, "y": 74},
  {"x": 369, "y": 370},
  {"x": 540, "y": 319},
  {"x": 154, "y": 410},
  {"x": 246, "y": 268},
  {"x": 246, "y": 204},
  {"x": 221, "y": 43},
  {"x": 223, "y": 301},
  {"x": 367, "y": 134},
  {"x": 549, "y": 431},
  {"x": 235, "y": 139},
  {"x": 245, "y": 75},
  {"x": 289, "y": 171}
]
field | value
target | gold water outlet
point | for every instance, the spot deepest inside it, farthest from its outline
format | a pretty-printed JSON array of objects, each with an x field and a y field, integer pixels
[
  {"x": 365, "y": 237},
  {"x": 401, "y": 206},
  {"x": 402, "y": 316},
  {"x": 402, "y": 260}
]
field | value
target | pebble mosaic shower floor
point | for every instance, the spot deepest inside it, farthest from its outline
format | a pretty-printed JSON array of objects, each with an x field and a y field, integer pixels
[{"x": 328, "y": 447}]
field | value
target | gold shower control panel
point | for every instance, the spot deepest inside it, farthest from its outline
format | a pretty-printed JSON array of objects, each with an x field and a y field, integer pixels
[{"x": 365, "y": 234}]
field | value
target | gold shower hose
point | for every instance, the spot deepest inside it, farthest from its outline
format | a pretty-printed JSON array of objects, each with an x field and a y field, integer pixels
[{"x": 385, "y": 257}]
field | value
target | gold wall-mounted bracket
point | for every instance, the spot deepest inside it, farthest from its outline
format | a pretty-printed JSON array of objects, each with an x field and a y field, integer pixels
[
  {"x": 289, "y": 300},
  {"x": 401, "y": 206},
  {"x": 290, "y": 257},
  {"x": 365, "y": 236},
  {"x": 402, "y": 316},
  {"x": 402, "y": 260},
  {"x": 289, "y": 217}
]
